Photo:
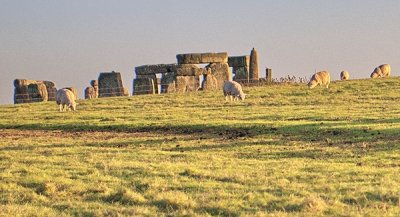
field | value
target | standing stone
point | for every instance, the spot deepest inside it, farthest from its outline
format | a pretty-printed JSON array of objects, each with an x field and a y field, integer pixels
[
  {"x": 95, "y": 85},
  {"x": 51, "y": 90},
  {"x": 27, "y": 91},
  {"x": 254, "y": 70},
  {"x": 143, "y": 86},
  {"x": 210, "y": 82},
  {"x": 37, "y": 92},
  {"x": 241, "y": 74},
  {"x": 219, "y": 72},
  {"x": 110, "y": 84},
  {"x": 187, "y": 83},
  {"x": 168, "y": 82},
  {"x": 89, "y": 93},
  {"x": 268, "y": 75}
]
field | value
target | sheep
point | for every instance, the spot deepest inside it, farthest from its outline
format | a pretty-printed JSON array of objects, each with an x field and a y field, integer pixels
[
  {"x": 320, "y": 78},
  {"x": 344, "y": 75},
  {"x": 65, "y": 99},
  {"x": 233, "y": 89},
  {"x": 381, "y": 71}
]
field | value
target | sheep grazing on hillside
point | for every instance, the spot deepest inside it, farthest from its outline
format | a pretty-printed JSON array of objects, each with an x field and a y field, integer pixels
[
  {"x": 66, "y": 100},
  {"x": 320, "y": 78},
  {"x": 381, "y": 71},
  {"x": 233, "y": 89},
  {"x": 344, "y": 75}
]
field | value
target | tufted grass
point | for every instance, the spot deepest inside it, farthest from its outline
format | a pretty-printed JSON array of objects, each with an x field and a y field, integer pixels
[{"x": 284, "y": 151}]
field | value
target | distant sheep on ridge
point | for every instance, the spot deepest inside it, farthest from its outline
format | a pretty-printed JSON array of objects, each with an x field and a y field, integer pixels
[
  {"x": 320, "y": 78},
  {"x": 381, "y": 71},
  {"x": 344, "y": 75}
]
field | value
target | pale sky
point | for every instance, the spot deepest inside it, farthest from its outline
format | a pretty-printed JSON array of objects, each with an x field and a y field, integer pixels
[{"x": 71, "y": 41}]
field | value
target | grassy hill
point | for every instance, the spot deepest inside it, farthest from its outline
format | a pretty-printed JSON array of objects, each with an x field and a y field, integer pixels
[{"x": 286, "y": 150}]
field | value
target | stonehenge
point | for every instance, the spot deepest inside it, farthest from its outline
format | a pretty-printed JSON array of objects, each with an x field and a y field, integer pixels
[
  {"x": 186, "y": 75},
  {"x": 27, "y": 91}
]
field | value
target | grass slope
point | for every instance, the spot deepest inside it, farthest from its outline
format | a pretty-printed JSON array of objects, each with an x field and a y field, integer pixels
[{"x": 286, "y": 150}]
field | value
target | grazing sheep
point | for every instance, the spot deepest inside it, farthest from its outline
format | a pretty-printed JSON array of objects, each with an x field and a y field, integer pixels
[
  {"x": 344, "y": 75},
  {"x": 233, "y": 89},
  {"x": 320, "y": 78},
  {"x": 65, "y": 99},
  {"x": 381, "y": 71}
]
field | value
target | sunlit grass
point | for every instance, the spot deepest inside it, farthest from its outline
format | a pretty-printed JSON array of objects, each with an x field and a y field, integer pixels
[{"x": 286, "y": 150}]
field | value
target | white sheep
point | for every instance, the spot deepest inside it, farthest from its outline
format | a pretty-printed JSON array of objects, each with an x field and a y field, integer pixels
[
  {"x": 381, "y": 71},
  {"x": 320, "y": 78},
  {"x": 65, "y": 99},
  {"x": 344, "y": 75},
  {"x": 233, "y": 89}
]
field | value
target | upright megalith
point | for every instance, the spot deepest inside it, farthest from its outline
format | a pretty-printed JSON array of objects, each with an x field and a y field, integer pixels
[
  {"x": 110, "y": 84},
  {"x": 26, "y": 91},
  {"x": 254, "y": 68},
  {"x": 217, "y": 74},
  {"x": 186, "y": 78},
  {"x": 240, "y": 66},
  {"x": 38, "y": 92},
  {"x": 95, "y": 85},
  {"x": 92, "y": 92},
  {"x": 202, "y": 58},
  {"x": 268, "y": 75},
  {"x": 146, "y": 81}
]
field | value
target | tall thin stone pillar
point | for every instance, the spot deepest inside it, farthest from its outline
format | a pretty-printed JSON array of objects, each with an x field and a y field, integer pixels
[{"x": 254, "y": 69}]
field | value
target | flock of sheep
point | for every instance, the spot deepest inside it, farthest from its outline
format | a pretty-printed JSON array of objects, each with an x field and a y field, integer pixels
[
  {"x": 65, "y": 98},
  {"x": 234, "y": 90}
]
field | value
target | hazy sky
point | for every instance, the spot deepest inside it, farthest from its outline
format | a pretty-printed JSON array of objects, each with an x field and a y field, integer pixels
[{"x": 71, "y": 41}]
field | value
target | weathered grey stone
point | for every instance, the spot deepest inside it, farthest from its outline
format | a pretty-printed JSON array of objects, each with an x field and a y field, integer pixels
[
  {"x": 239, "y": 61},
  {"x": 187, "y": 83},
  {"x": 221, "y": 72},
  {"x": 268, "y": 75},
  {"x": 241, "y": 74},
  {"x": 190, "y": 70},
  {"x": 171, "y": 83},
  {"x": 210, "y": 82},
  {"x": 89, "y": 93},
  {"x": 110, "y": 84},
  {"x": 254, "y": 68},
  {"x": 155, "y": 69},
  {"x": 143, "y": 86},
  {"x": 37, "y": 92},
  {"x": 202, "y": 58},
  {"x": 168, "y": 82},
  {"x": 27, "y": 91},
  {"x": 95, "y": 85}
]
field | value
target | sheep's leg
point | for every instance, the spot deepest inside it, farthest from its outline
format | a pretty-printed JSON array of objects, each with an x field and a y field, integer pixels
[
  {"x": 60, "y": 107},
  {"x": 230, "y": 97},
  {"x": 226, "y": 98}
]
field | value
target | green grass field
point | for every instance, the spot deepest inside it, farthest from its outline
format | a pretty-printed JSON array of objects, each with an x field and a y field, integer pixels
[{"x": 284, "y": 151}]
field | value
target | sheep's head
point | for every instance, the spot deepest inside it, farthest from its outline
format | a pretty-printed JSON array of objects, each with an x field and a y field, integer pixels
[
  {"x": 242, "y": 96},
  {"x": 377, "y": 73},
  {"x": 312, "y": 84}
]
